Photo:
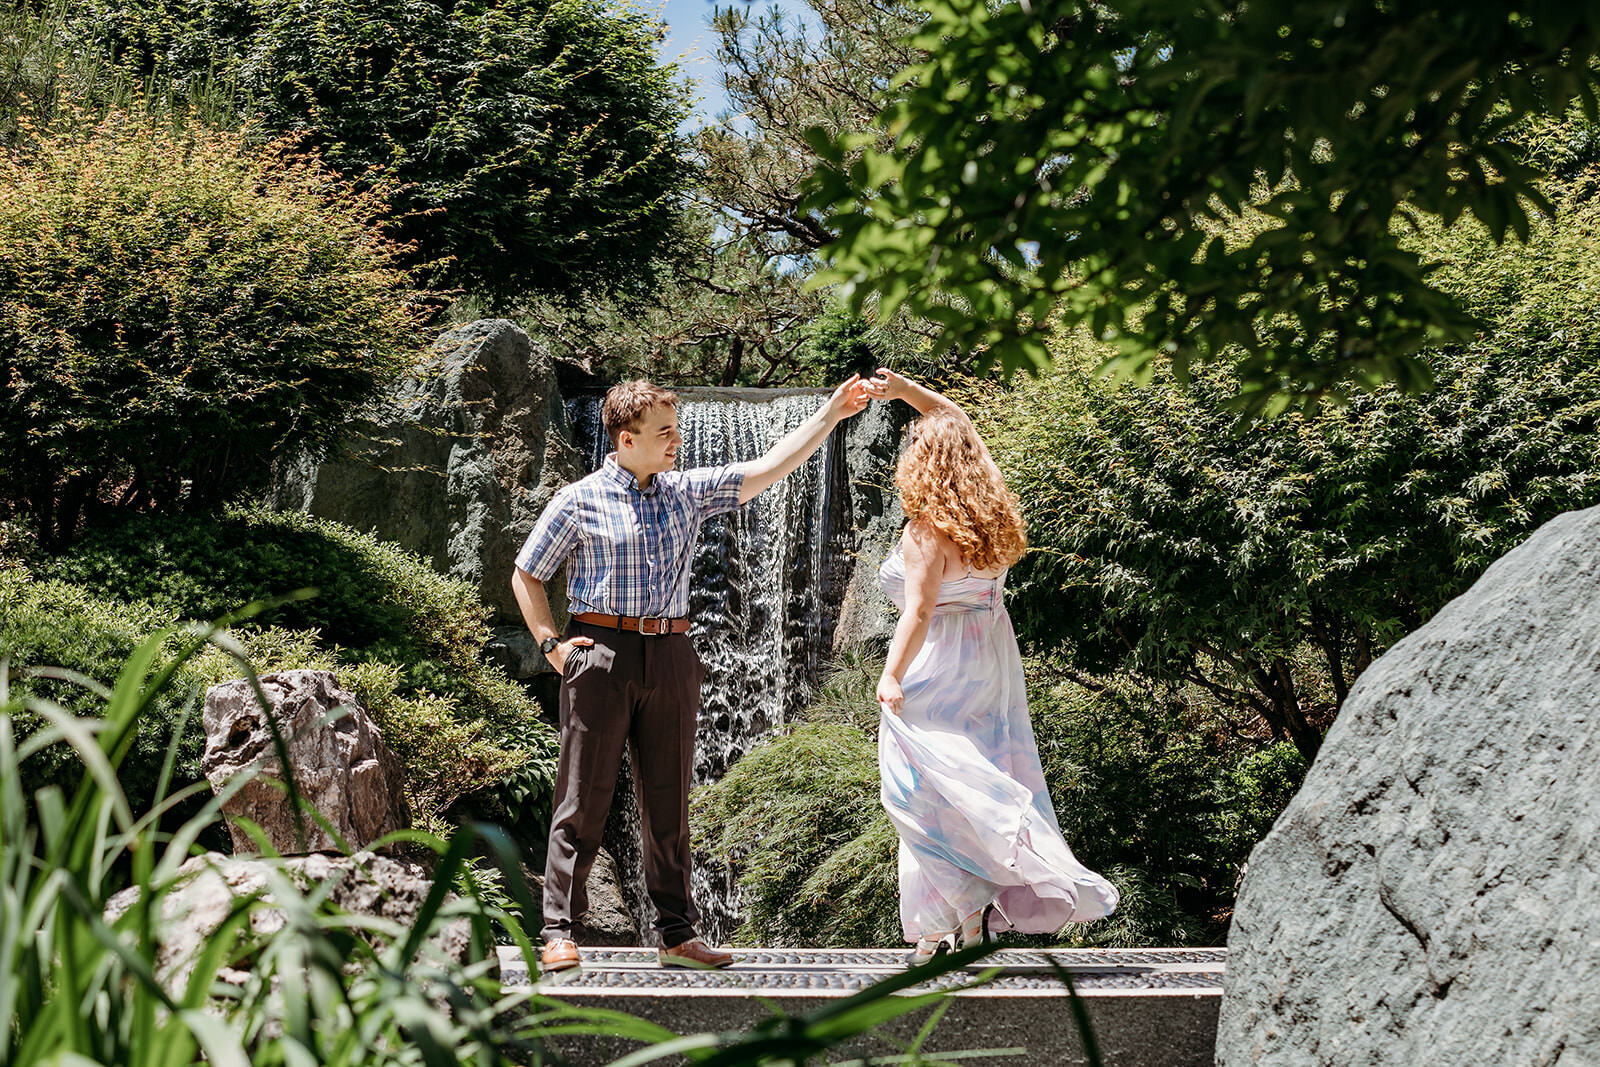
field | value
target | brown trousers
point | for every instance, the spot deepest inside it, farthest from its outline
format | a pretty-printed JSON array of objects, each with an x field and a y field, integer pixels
[{"x": 643, "y": 692}]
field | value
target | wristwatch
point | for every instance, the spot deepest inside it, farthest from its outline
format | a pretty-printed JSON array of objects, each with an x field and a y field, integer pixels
[{"x": 549, "y": 644}]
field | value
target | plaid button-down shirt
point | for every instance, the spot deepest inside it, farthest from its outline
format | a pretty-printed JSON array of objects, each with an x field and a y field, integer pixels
[{"x": 628, "y": 552}]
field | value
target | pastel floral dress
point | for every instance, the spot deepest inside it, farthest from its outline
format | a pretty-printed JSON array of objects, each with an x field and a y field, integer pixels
[{"x": 962, "y": 781}]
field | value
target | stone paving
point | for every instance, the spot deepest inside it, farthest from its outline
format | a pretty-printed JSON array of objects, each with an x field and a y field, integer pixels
[
  {"x": 1148, "y": 971},
  {"x": 1150, "y": 1007}
]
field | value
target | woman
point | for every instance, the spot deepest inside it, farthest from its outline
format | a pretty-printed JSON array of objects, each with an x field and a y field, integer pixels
[{"x": 961, "y": 775}]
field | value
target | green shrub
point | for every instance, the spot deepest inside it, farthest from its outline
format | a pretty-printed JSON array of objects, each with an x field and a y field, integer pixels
[
  {"x": 1251, "y": 795},
  {"x": 1160, "y": 785},
  {"x": 798, "y": 822},
  {"x": 401, "y": 637},
  {"x": 59, "y": 625},
  {"x": 525, "y": 145},
  {"x": 372, "y": 595},
  {"x": 447, "y": 754},
  {"x": 177, "y": 310}
]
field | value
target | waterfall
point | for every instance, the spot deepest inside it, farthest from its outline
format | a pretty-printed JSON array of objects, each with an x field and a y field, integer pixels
[{"x": 767, "y": 584}]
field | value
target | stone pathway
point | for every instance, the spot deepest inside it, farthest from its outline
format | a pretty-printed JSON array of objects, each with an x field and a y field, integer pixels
[
  {"x": 1150, "y": 1007},
  {"x": 1146, "y": 971}
]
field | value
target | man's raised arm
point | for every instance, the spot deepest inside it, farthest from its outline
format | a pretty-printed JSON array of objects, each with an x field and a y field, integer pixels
[{"x": 798, "y": 444}]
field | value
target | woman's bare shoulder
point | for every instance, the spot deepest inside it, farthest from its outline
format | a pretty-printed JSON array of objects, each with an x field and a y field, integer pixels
[
  {"x": 926, "y": 536},
  {"x": 928, "y": 545}
]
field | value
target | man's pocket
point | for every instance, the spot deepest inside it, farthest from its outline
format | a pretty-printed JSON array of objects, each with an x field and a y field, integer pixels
[{"x": 586, "y": 658}]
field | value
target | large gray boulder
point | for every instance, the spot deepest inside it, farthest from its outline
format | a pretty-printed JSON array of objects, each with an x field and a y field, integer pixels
[
  {"x": 471, "y": 452},
  {"x": 341, "y": 765},
  {"x": 1432, "y": 894}
]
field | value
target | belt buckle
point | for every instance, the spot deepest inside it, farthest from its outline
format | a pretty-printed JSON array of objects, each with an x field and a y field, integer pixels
[{"x": 653, "y": 627}]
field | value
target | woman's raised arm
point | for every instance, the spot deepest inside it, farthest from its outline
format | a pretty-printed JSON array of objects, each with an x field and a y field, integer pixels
[{"x": 887, "y": 385}]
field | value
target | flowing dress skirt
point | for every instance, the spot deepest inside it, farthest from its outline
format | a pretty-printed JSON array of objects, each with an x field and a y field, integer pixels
[{"x": 962, "y": 782}]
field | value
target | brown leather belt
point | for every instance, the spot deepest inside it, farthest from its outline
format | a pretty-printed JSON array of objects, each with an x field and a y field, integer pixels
[{"x": 647, "y": 626}]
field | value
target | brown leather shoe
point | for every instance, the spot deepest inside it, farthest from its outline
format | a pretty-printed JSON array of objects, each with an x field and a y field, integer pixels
[
  {"x": 558, "y": 955},
  {"x": 693, "y": 953}
]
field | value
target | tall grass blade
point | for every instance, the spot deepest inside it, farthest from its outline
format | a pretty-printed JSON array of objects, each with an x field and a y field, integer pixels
[
  {"x": 101, "y": 776},
  {"x": 672, "y": 1046},
  {"x": 217, "y": 951},
  {"x": 222, "y": 1048},
  {"x": 934, "y": 1018},
  {"x": 1080, "y": 1016},
  {"x": 557, "y": 1018},
  {"x": 170, "y": 760},
  {"x": 444, "y": 874},
  {"x": 216, "y": 634},
  {"x": 505, "y": 851},
  {"x": 78, "y": 678},
  {"x": 138, "y": 966}
]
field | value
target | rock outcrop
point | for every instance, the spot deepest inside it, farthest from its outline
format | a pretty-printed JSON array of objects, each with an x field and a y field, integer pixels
[
  {"x": 1430, "y": 896},
  {"x": 609, "y": 922},
  {"x": 871, "y": 447},
  {"x": 514, "y": 650},
  {"x": 476, "y": 446},
  {"x": 341, "y": 765},
  {"x": 207, "y": 887}
]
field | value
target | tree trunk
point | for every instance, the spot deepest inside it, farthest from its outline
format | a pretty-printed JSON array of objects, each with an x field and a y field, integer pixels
[
  {"x": 1307, "y": 738},
  {"x": 41, "y": 504},
  {"x": 74, "y": 494},
  {"x": 1330, "y": 639},
  {"x": 730, "y": 373},
  {"x": 1285, "y": 717},
  {"x": 1363, "y": 651}
]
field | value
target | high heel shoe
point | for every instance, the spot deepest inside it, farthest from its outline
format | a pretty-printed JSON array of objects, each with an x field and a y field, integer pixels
[
  {"x": 975, "y": 927},
  {"x": 929, "y": 948}
]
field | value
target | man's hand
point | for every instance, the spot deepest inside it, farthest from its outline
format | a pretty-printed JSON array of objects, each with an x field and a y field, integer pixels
[
  {"x": 849, "y": 398},
  {"x": 803, "y": 440},
  {"x": 558, "y": 655}
]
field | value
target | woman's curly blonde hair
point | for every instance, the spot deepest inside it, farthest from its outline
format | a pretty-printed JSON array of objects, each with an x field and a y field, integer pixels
[{"x": 946, "y": 479}]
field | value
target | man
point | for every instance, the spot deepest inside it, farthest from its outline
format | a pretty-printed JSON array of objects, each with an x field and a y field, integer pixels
[{"x": 629, "y": 674}]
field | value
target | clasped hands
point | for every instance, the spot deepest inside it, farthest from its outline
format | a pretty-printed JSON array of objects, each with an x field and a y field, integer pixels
[
  {"x": 885, "y": 385},
  {"x": 854, "y": 394}
]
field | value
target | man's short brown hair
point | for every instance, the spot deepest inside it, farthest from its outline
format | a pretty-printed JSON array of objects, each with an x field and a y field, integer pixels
[{"x": 627, "y": 403}]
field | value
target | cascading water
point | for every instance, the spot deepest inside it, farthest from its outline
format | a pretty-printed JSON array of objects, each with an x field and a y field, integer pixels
[{"x": 767, "y": 583}]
